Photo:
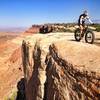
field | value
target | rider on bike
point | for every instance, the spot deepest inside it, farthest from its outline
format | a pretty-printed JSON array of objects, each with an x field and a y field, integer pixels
[{"x": 81, "y": 21}]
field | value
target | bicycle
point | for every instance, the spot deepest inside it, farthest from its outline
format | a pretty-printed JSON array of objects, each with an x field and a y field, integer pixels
[{"x": 88, "y": 33}]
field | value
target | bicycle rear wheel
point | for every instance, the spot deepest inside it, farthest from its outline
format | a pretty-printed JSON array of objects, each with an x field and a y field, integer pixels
[{"x": 77, "y": 34}]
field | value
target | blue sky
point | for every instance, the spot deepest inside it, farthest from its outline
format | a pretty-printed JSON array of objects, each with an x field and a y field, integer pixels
[{"x": 27, "y": 12}]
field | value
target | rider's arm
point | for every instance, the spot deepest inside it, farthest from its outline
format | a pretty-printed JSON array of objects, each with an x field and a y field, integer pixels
[{"x": 88, "y": 18}]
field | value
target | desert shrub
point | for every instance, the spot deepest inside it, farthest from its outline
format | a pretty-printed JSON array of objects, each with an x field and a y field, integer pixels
[
  {"x": 98, "y": 29},
  {"x": 63, "y": 30},
  {"x": 67, "y": 30},
  {"x": 97, "y": 26},
  {"x": 12, "y": 96}
]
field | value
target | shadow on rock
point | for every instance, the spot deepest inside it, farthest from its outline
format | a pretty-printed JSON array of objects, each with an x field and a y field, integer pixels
[{"x": 21, "y": 90}]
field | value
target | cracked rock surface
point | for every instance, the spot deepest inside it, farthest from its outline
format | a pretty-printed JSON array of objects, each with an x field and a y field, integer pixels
[{"x": 58, "y": 69}]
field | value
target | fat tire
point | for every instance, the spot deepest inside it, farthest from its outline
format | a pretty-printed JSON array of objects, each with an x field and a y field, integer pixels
[
  {"x": 75, "y": 34},
  {"x": 93, "y": 37}
]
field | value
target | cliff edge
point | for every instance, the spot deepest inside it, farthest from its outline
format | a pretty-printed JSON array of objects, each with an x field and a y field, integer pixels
[{"x": 58, "y": 69}]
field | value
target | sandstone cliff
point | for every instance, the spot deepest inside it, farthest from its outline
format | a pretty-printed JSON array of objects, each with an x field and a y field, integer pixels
[{"x": 58, "y": 69}]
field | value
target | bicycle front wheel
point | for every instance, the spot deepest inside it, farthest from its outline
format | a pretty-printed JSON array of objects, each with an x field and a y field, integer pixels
[{"x": 89, "y": 37}]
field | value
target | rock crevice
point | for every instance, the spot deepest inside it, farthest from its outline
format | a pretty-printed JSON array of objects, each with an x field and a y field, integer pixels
[{"x": 49, "y": 76}]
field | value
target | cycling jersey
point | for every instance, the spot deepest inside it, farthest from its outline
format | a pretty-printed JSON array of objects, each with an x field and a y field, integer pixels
[{"x": 82, "y": 19}]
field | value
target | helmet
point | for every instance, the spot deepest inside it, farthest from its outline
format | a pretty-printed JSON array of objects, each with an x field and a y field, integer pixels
[{"x": 85, "y": 12}]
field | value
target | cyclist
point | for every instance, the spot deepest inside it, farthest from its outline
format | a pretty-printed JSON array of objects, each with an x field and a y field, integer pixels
[{"x": 82, "y": 19}]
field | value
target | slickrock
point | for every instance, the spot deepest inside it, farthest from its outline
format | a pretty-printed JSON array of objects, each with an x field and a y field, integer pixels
[{"x": 58, "y": 69}]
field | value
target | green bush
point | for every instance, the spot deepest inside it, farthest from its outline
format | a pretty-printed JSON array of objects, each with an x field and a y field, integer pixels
[
  {"x": 98, "y": 29},
  {"x": 68, "y": 30},
  {"x": 97, "y": 26},
  {"x": 63, "y": 30},
  {"x": 12, "y": 97}
]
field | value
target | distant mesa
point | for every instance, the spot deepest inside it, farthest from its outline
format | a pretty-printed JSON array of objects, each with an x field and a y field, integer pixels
[{"x": 13, "y": 29}]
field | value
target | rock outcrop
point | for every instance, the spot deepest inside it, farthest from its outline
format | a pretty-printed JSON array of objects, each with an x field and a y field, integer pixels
[
  {"x": 39, "y": 29},
  {"x": 33, "y": 30},
  {"x": 57, "y": 69}
]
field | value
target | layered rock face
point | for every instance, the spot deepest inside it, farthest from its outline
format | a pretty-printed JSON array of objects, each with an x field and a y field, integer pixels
[{"x": 57, "y": 69}]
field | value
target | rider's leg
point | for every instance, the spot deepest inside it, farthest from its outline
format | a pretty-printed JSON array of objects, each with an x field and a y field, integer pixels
[
  {"x": 83, "y": 24},
  {"x": 81, "y": 29}
]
